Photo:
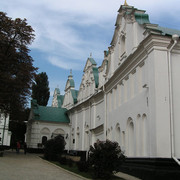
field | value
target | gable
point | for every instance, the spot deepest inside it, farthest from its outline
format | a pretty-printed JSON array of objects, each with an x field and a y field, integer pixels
[{"x": 90, "y": 62}]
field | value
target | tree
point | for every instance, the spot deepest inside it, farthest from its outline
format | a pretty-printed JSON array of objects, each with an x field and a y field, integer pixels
[
  {"x": 105, "y": 158},
  {"x": 40, "y": 89},
  {"x": 16, "y": 66}
]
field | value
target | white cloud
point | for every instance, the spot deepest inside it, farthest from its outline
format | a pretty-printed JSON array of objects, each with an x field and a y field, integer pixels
[
  {"x": 58, "y": 24},
  {"x": 64, "y": 64}
]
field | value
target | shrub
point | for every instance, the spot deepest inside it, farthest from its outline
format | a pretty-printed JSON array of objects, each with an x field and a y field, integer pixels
[
  {"x": 105, "y": 158},
  {"x": 83, "y": 166},
  {"x": 63, "y": 160},
  {"x": 54, "y": 147},
  {"x": 70, "y": 162}
]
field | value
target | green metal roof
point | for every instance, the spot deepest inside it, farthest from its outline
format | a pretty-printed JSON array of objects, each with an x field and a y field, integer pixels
[
  {"x": 60, "y": 99},
  {"x": 142, "y": 18},
  {"x": 96, "y": 76},
  {"x": 168, "y": 31},
  {"x": 92, "y": 61},
  {"x": 49, "y": 114},
  {"x": 74, "y": 95},
  {"x": 71, "y": 81},
  {"x": 57, "y": 90}
]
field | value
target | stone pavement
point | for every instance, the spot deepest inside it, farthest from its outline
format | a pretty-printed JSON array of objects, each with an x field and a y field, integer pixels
[{"x": 31, "y": 167}]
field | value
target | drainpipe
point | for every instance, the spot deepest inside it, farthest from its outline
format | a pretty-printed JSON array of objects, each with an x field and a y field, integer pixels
[
  {"x": 175, "y": 37},
  {"x": 105, "y": 108}
]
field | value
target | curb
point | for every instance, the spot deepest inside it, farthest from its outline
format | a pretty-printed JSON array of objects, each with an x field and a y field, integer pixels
[
  {"x": 74, "y": 174},
  {"x": 126, "y": 176}
]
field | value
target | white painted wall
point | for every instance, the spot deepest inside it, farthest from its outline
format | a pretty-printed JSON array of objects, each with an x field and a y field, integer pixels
[
  {"x": 5, "y": 134},
  {"x": 36, "y": 130}
]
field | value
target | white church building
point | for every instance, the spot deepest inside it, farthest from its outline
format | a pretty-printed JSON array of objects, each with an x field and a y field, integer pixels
[{"x": 134, "y": 96}]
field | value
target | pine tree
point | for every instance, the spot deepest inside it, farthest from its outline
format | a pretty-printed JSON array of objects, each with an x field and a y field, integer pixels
[{"x": 40, "y": 89}]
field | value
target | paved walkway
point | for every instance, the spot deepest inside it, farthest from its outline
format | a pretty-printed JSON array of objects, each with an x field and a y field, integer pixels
[{"x": 30, "y": 167}]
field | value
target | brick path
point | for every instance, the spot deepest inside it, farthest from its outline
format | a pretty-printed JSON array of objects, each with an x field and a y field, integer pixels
[{"x": 30, "y": 167}]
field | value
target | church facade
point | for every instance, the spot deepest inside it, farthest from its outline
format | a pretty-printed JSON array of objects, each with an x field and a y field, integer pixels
[{"x": 134, "y": 96}]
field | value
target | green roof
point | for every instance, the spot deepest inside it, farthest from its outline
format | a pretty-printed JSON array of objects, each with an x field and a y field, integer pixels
[
  {"x": 49, "y": 114},
  {"x": 60, "y": 99},
  {"x": 168, "y": 31},
  {"x": 142, "y": 18},
  {"x": 96, "y": 76},
  {"x": 92, "y": 61},
  {"x": 74, "y": 95},
  {"x": 57, "y": 90},
  {"x": 71, "y": 81}
]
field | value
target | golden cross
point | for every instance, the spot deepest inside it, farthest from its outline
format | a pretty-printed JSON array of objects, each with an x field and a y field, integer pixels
[{"x": 125, "y": 3}]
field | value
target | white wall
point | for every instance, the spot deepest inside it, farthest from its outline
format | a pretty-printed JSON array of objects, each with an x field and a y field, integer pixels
[
  {"x": 5, "y": 135},
  {"x": 39, "y": 129}
]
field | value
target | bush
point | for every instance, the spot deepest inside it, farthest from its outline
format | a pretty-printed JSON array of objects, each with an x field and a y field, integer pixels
[
  {"x": 54, "y": 148},
  {"x": 70, "y": 162},
  {"x": 83, "y": 166},
  {"x": 63, "y": 160},
  {"x": 105, "y": 158}
]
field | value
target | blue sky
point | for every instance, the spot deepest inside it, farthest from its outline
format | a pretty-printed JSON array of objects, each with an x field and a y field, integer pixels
[{"x": 67, "y": 31}]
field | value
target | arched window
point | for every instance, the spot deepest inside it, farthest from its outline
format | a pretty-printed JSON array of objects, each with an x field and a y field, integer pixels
[
  {"x": 138, "y": 135},
  {"x": 57, "y": 132},
  {"x": 45, "y": 132},
  {"x": 118, "y": 134},
  {"x": 109, "y": 134},
  {"x": 130, "y": 137},
  {"x": 77, "y": 138},
  {"x": 86, "y": 139},
  {"x": 122, "y": 45},
  {"x": 144, "y": 135}
]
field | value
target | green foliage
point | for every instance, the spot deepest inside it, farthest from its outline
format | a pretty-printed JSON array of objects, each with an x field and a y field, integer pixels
[
  {"x": 105, "y": 158},
  {"x": 16, "y": 66},
  {"x": 54, "y": 148},
  {"x": 83, "y": 166},
  {"x": 40, "y": 89}
]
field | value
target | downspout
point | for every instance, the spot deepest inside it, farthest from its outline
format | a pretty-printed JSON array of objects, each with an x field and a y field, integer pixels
[
  {"x": 174, "y": 38},
  {"x": 105, "y": 108}
]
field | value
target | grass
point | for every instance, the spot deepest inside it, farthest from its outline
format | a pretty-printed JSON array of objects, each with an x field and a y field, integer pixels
[{"x": 74, "y": 169}]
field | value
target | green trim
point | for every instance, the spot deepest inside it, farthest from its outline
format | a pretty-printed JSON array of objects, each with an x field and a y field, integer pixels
[
  {"x": 74, "y": 95},
  {"x": 96, "y": 76}
]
